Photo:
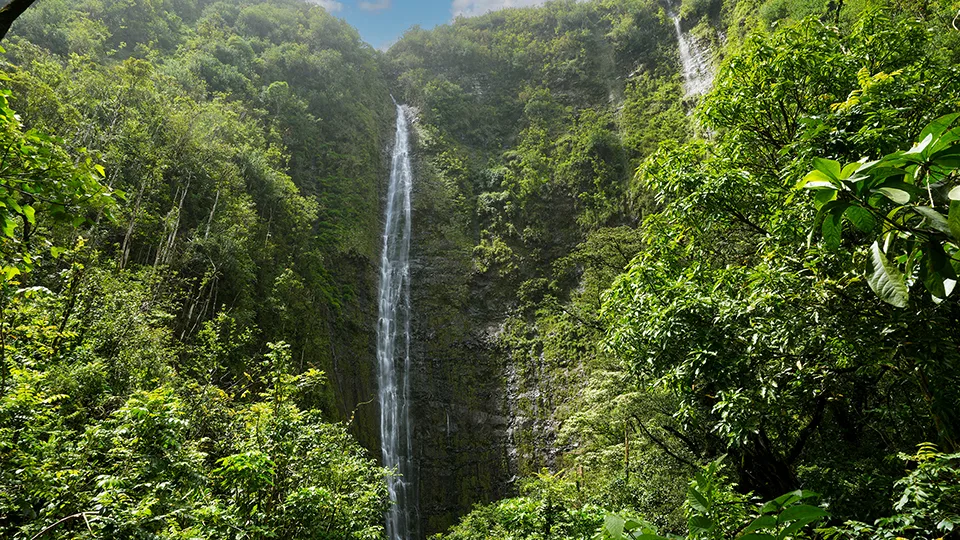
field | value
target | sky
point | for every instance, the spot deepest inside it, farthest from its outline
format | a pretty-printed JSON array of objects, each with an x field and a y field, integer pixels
[{"x": 382, "y": 22}]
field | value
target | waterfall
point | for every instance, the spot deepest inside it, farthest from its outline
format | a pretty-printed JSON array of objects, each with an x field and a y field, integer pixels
[
  {"x": 695, "y": 60},
  {"x": 393, "y": 344}
]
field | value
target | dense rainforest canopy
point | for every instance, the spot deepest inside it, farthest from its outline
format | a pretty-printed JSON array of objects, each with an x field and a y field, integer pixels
[{"x": 642, "y": 312}]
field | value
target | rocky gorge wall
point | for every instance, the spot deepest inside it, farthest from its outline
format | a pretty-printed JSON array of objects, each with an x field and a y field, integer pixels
[
  {"x": 529, "y": 123},
  {"x": 459, "y": 401}
]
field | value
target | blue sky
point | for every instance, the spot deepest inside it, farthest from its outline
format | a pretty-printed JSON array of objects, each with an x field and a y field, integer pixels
[{"x": 381, "y": 22}]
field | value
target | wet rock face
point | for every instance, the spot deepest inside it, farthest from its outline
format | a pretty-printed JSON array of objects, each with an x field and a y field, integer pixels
[
  {"x": 353, "y": 352},
  {"x": 460, "y": 413},
  {"x": 482, "y": 413}
]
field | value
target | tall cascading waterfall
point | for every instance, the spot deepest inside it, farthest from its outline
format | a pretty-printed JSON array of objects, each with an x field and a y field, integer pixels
[
  {"x": 393, "y": 344},
  {"x": 694, "y": 59}
]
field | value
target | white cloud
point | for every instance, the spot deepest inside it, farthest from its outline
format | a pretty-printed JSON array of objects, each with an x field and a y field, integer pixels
[
  {"x": 378, "y": 5},
  {"x": 330, "y": 5},
  {"x": 470, "y": 8}
]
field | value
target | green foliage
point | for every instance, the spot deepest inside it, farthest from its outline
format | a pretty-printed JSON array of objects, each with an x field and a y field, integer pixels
[
  {"x": 165, "y": 369},
  {"x": 717, "y": 513},
  {"x": 766, "y": 342},
  {"x": 249, "y": 154},
  {"x": 928, "y": 506},
  {"x": 550, "y": 507},
  {"x": 41, "y": 186},
  {"x": 899, "y": 193},
  {"x": 140, "y": 395},
  {"x": 619, "y": 527},
  {"x": 714, "y": 510},
  {"x": 145, "y": 470}
]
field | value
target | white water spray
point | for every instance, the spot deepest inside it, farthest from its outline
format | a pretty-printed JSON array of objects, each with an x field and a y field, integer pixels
[
  {"x": 695, "y": 60},
  {"x": 393, "y": 344}
]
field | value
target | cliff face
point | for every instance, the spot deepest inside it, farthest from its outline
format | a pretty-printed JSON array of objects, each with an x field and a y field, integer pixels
[
  {"x": 519, "y": 157},
  {"x": 460, "y": 410},
  {"x": 485, "y": 406},
  {"x": 352, "y": 356}
]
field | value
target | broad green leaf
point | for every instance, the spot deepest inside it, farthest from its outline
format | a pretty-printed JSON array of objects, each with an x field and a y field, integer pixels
[
  {"x": 936, "y": 272},
  {"x": 757, "y": 536},
  {"x": 931, "y": 279},
  {"x": 10, "y": 272},
  {"x": 937, "y": 127},
  {"x": 828, "y": 167},
  {"x": 920, "y": 146},
  {"x": 896, "y": 195},
  {"x": 817, "y": 179},
  {"x": 868, "y": 180},
  {"x": 885, "y": 279},
  {"x": 7, "y": 226},
  {"x": 849, "y": 169},
  {"x": 794, "y": 527},
  {"x": 30, "y": 213},
  {"x": 861, "y": 218},
  {"x": 832, "y": 228},
  {"x": 614, "y": 525},
  {"x": 824, "y": 196},
  {"x": 946, "y": 152},
  {"x": 801, "y": 511},
  {"x": 934, "y": 218},
  {"x": 697, "y": 501},
  {"x": 882, "y": 173},
  {"x": 631, "y": 524},
  {"x": 786, "y": 499},
  {"x": 700, "y": 524},
  {"x": 953, "y": 219},
  {"x": 762, "y": 522}
]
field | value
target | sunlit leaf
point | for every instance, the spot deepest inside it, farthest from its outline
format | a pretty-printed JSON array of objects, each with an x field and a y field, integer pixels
[
  {"x": 936, "y": 128},
  {"x": 828, "y": 167},
  {"x": 885, "y": 279}
]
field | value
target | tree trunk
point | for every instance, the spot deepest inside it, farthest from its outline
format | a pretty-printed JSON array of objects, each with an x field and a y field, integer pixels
[
  {"x": 10, "y": 12},
  {"x": 764, "y": 471}
]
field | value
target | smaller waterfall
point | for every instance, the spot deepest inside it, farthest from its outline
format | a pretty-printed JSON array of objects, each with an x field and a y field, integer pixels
[
  {"x": 695, "y": 60},
  {"x": 393, "y": 344}
]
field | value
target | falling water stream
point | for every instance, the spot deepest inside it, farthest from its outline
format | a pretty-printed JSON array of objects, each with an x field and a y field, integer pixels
[
  {"x": 393, "y": 344},
  {"x": 695, "y": 60}
]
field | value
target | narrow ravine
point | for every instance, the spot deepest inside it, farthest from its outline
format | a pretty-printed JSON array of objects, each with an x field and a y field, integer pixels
[{"x": 393, "y": 344}]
